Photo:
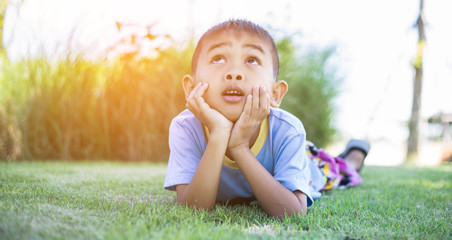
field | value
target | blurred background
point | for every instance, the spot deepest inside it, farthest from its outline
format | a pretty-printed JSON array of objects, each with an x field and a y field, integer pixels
[{"x": 101, "y": 79}]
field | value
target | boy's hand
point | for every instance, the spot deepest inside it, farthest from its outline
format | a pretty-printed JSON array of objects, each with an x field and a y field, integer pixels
[
  {"x": 214, "y": 120},
  {"x": 256, "y": 109}
]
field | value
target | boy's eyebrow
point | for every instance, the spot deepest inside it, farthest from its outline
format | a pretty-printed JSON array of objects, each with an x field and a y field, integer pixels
[
  {"x": 218, "y": 45},
  {"x": 248, "y": 45},
  {"x": 254, "y": 46}
]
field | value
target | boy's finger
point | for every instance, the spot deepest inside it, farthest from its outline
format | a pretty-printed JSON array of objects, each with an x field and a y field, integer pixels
[
  {"x": 255, "y": 106},
  {"x": 194, "y": 91},
  {"x": 267, "y": 107},
  {"x": 190, "y": 100},
  {"x": 248, "y": 106},
  {"x": 201, "y": 90},
  {"x": 198, "y": 96},
  {"x": 262, "y": 98}
]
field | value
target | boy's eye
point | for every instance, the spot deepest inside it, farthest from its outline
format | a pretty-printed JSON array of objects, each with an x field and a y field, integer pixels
[
  {"x": 218, "y": 59},
  {"x": 252, "y": 60}
]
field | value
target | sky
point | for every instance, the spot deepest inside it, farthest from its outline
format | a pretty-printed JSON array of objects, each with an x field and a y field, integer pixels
[{"x": 375, "y": 39}]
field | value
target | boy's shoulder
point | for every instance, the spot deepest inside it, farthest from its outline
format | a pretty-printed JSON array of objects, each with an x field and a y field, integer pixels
[
  {"x": 186, "y": 118},
  {"x": 285, "y": 121},
  {"x": 185, "y": 115}
]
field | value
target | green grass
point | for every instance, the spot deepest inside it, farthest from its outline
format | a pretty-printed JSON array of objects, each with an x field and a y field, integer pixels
[{"x": 67, "y": 200}]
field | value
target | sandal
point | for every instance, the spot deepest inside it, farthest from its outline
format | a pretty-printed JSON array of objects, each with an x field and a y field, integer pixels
[{"x": 359, "y": 144}]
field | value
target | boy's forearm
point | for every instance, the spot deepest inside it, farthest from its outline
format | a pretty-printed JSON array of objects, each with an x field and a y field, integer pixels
[
  {"x": 275, "y": 199},
  {"x": 203, "y": 188}
]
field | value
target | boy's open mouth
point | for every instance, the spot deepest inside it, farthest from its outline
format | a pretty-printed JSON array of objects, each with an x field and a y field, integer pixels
[{"x": 232, "y": 94}]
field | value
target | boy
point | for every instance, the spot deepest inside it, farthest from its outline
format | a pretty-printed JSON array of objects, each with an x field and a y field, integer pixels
[{"x": 230, "y": 145}]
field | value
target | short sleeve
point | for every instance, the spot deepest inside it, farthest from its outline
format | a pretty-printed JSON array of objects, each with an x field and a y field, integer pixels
[
  {"x": 186, "y": 147},
  {"x": 291, "y": 165}
]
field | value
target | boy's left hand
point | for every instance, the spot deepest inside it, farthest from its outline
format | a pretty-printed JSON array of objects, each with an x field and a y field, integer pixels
[{"x": 256, "y": 109}]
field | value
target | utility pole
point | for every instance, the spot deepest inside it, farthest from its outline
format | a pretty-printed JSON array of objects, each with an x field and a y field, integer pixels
[{"x": 414, "y": 124}]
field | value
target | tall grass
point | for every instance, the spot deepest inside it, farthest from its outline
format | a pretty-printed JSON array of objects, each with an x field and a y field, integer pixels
[
  {"x": 138, "y": 103},
  {"x": 77, "y": 109}
]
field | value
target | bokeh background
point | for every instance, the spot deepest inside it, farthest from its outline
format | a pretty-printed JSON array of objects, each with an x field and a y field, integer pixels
[{"x": 101, "y": 79}]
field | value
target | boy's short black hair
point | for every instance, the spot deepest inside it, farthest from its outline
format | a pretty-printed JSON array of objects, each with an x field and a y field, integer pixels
[{"x": 238, "y": 25}]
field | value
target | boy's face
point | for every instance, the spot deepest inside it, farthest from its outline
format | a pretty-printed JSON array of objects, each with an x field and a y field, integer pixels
[{"x": 232, "y": 64}]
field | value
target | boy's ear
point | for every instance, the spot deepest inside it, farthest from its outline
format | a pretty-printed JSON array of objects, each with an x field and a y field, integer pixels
[
  {"x": 279, "y": 90},
  {"x": 188, "y": 83}
]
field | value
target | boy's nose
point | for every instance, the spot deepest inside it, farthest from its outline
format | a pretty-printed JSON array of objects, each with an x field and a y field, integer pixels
[{"x": 234, "y": 76}]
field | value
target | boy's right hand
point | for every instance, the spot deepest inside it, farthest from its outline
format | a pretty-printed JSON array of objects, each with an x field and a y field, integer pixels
[{"x": 210, "y": 117}]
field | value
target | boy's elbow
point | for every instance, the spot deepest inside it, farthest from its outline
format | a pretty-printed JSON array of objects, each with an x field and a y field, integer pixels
[
  {"x": 283, "y": 212},
  {"x": 297, "y": 208},
  {"x": 292, "y": 213},
  {"x": 195, "y": 205},
  {"x": 303, "y": 210}
]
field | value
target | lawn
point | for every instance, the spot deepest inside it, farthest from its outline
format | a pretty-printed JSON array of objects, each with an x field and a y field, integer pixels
[{"x": 101, "y": 200}]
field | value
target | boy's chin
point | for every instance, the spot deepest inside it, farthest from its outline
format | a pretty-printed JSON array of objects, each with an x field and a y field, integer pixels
[{"x": 233, "y": 117}]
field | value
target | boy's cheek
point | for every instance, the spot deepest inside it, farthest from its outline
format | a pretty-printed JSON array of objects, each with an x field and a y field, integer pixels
[{"x": 207, "y": 97}]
